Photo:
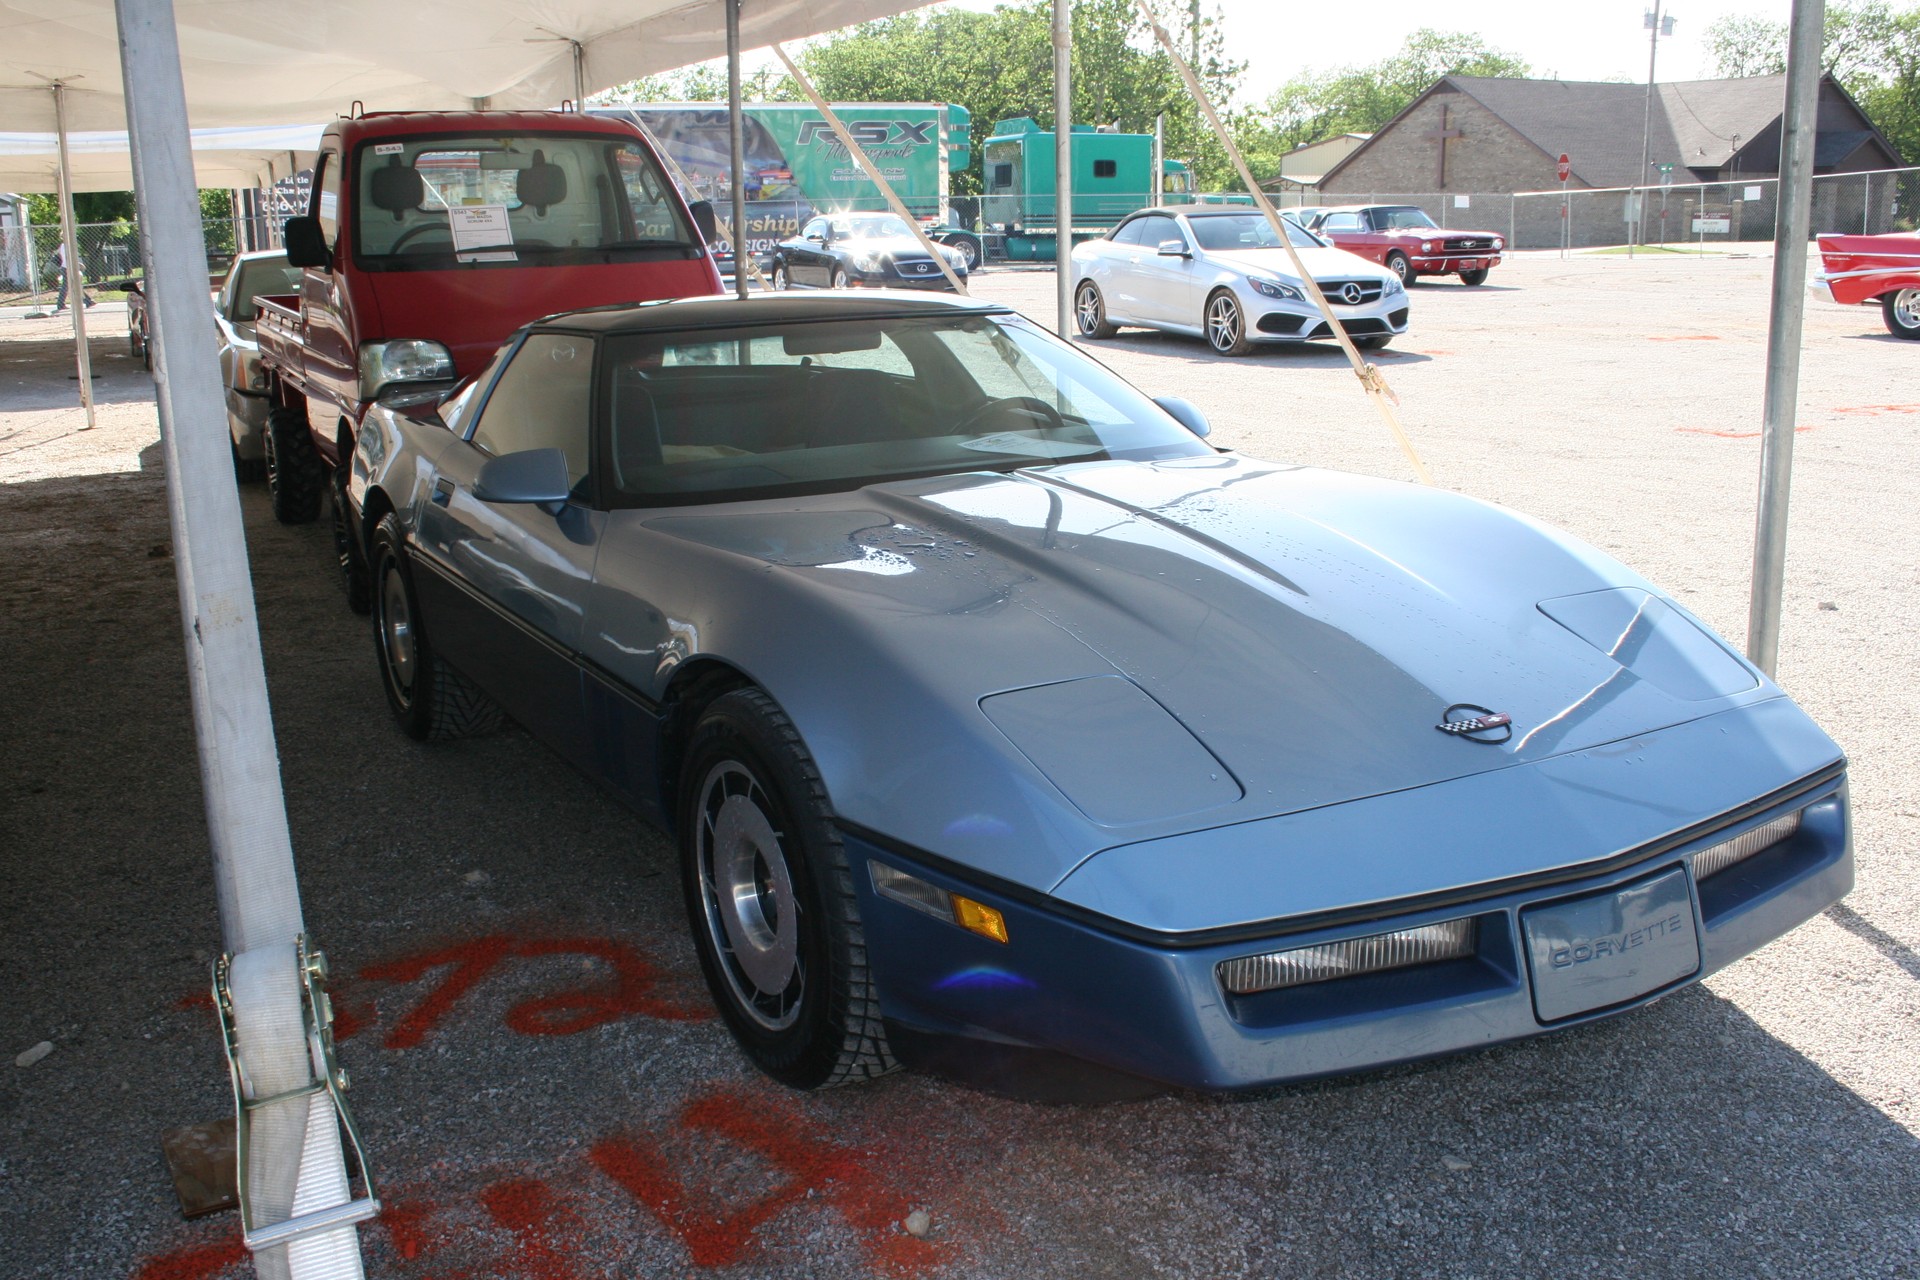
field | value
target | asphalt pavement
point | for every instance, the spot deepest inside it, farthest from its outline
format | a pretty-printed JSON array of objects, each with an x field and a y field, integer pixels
[{"x": 542, "y": 1083}]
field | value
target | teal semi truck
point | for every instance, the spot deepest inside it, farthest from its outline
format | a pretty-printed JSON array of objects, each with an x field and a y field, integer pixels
[
  {"x": 1112, "y": 176},
  {"x": 796, "y": 165}
]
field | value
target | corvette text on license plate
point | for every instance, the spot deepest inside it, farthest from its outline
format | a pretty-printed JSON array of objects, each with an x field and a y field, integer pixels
[{"x": 1606, "y": 948}]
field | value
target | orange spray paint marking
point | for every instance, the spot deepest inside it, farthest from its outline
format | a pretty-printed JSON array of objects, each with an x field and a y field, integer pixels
[
  {"x": 801, "y": 1151},
  {"x": 527, "y": 1208},
  {"x": 1878, "y": 409},
  {"x": 195, "y": 1262},
  {"x": 566, "y": 1013},
  {"x": 1731, "y": 435}
]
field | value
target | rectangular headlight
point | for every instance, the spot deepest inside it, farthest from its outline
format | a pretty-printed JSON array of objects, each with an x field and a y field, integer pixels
[
  {"x": 1717, "y": 858},
  {"x": 1448, "y": 940}
]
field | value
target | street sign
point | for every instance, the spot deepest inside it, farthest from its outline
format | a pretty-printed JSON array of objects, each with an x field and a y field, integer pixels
[
  {"x": 1566, "y": 167},
  {"x": 1666, "y": 175}
]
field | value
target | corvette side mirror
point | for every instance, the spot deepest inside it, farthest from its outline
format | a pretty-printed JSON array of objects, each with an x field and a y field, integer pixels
[
  {"x": 1187, "y": 414},
  {"x": 536, "y": 476}
]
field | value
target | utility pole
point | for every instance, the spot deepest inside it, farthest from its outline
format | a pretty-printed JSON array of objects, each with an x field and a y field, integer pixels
[{"x": 1656, "y": 27}]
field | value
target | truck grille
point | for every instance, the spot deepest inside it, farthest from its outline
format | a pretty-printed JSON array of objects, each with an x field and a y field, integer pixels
[
  {"x": 1468, "y": 244},
  {"x": 1337, "y": 291}
]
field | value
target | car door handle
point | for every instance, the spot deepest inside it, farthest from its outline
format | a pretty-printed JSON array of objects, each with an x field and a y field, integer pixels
[{"x": 442, "y": 492}]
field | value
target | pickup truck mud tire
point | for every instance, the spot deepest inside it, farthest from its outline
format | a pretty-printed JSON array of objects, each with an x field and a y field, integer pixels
[
  {"x": 431, "y": 700},
  {"x": 1471, "y": 278},
  {"x": 296, "y": 478},
  {"x": 1901, "y": 309}
]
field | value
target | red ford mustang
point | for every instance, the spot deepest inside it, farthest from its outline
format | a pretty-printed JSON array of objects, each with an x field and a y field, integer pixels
[
  {"x": 1882, "y": 269},
  {"x": 1402, "y": 238}
]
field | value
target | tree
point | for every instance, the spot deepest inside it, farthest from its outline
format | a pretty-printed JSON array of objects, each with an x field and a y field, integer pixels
[
  {"x": 1871, "y": 47},
  {"x": 1363, "y": 99}
]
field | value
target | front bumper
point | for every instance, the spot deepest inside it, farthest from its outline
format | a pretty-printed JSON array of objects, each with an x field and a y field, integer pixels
[
  {"x": 887, "y": 278},
  {"x": 1441, "y": 264},
  {"x": 1150, "y": 1006},
  {"x": 1284, "y": 320}
]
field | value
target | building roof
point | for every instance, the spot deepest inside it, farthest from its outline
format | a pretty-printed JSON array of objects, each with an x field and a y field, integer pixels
[{"x": 1696, "y": 124}]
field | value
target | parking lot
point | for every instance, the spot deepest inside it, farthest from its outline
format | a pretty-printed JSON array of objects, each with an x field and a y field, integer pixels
[{"x": 542, "y": 1083}]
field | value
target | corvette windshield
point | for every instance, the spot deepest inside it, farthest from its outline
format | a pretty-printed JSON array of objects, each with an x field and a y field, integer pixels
[
  {"x": 1227, "y": 231},
  {"x": 827, "y": 406},
  {"x": 1403, "y": 219}
]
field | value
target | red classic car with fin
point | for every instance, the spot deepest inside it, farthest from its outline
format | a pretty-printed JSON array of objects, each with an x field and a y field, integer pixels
[
  {"x": 1402, "y": 238},
  {"x": 1883, "y": 269}
]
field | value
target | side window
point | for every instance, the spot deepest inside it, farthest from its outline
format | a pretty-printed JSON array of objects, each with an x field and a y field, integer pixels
[
  {"x": 543, "y": 401},
  {"x": 1105, "y": 168},
  {"x": 1342, "y": 222},
  {"x": 817, "y": 227},
  {"x": 1157, "y": 230},
  {"x": 457, "y": 412},
  {"x": 326, "y": 197},
  {"x": 1001, "y": 178},
  {"x": 1130, "y": 233}
]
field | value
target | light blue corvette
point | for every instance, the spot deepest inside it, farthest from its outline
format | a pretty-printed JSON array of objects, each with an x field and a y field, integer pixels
[{"x": 1009, "y": 729}]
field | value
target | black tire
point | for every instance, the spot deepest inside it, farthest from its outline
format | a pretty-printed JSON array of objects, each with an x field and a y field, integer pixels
[
  {"x": 1225, "y": 324},
  {"x": 969, "y": 251},
  {"x": 781, "y": 280},
  {"x": 430, "y": 699},
  {"x": 1472, "y": 278},
  {"x": 296, "y": 478},
  {"x": 839, "y": 277},
  {"x": 1090, "y": 312},
  {"x": 783, "y": 949},
  {"x": 1400, "y": 265},
  {"x": 247, "y": 470},
  {"x": 354, "y": 574},
  {"x": 1901, "y": 310},
  {"x": 1373, "y": 341}
]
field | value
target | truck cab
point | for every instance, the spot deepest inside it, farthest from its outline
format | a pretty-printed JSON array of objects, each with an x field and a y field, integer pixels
[{"x": 429, "y": 239}]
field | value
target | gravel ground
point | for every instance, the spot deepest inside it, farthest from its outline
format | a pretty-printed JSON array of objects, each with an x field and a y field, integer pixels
[{"x": 539, "y": 1077}]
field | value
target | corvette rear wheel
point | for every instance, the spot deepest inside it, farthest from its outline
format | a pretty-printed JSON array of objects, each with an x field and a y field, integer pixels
[
  {"x": 1902, "y": 312},
  {"x": 1471, "y": 278},
  {"x": 1226, "y": 325},
  {"x": 1090, "y": 312},
  {"x": 430, "y": 699},
  {"x": 1398, "y": 263},
  {"x": 770, "y": 900}
]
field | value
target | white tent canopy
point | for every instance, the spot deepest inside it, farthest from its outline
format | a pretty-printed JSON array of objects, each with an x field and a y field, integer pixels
[
  {"x": 297, "y": 61},
  {"x": 101, "y": 161}
]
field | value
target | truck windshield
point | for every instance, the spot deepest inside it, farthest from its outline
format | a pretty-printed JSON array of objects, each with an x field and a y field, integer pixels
[{"x": 534, "y": 200}]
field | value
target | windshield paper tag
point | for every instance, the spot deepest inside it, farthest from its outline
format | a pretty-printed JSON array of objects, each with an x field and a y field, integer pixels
[
  {"x": 482, "y": 227},
  {"x": 389, "y": 148},
  {"x": 1023, "y": 446}
]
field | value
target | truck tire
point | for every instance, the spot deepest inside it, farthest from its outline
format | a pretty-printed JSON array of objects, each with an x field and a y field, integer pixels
[
  {"x": 969, "y": 247},
  {"x": 430, "y": 699},
  {"x": 296, "y": 478}
]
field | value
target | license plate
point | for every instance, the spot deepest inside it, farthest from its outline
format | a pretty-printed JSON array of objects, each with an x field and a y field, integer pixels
[{"x": 1607, "y": 948}]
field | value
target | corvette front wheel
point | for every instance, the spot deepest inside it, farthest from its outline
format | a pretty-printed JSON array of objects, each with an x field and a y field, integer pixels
[
  {"x": 1902, "y": 312},
  {"x": 771, "y": 902}
]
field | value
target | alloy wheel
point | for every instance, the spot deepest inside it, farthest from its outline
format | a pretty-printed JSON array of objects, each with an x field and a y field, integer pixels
[
  {"x": 752, "y": 913},
  {"x": 1223, "y": 323}
]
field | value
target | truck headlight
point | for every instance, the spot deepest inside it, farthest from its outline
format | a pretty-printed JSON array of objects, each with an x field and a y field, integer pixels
[
  {"x": 385, "y": 366},
  {"x": 1273, "y": 288}
]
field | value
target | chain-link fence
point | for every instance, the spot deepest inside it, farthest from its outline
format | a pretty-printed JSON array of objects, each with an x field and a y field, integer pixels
[{"x": 109, "y": 256}]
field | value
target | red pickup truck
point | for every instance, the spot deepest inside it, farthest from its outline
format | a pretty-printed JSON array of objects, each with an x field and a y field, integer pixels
[
  {"x": 430, "y": 238},
  {"x": 1403, "y": 239}
]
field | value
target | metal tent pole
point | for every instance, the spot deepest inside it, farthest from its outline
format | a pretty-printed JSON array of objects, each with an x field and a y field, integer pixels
[
  {"x": 1063, "y": 165},
  {"x": 296, "y": 1206},
  {"x": 1783, "y": 330},
  {"x": 75, "y": 275},
  {"x": 737, "y": 144}
]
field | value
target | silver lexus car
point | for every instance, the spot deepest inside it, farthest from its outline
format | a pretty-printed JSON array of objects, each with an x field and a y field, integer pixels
[{"x": 1222, "y": 275}]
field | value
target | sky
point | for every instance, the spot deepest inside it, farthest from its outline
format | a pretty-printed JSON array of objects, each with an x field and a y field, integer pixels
[{"x": 1588, "y": 40}]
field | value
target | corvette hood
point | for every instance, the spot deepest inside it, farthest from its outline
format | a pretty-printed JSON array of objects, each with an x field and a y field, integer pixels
[
  {"x": 1326, "y": 264},
  {"x": 1210, "y": 641}
]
